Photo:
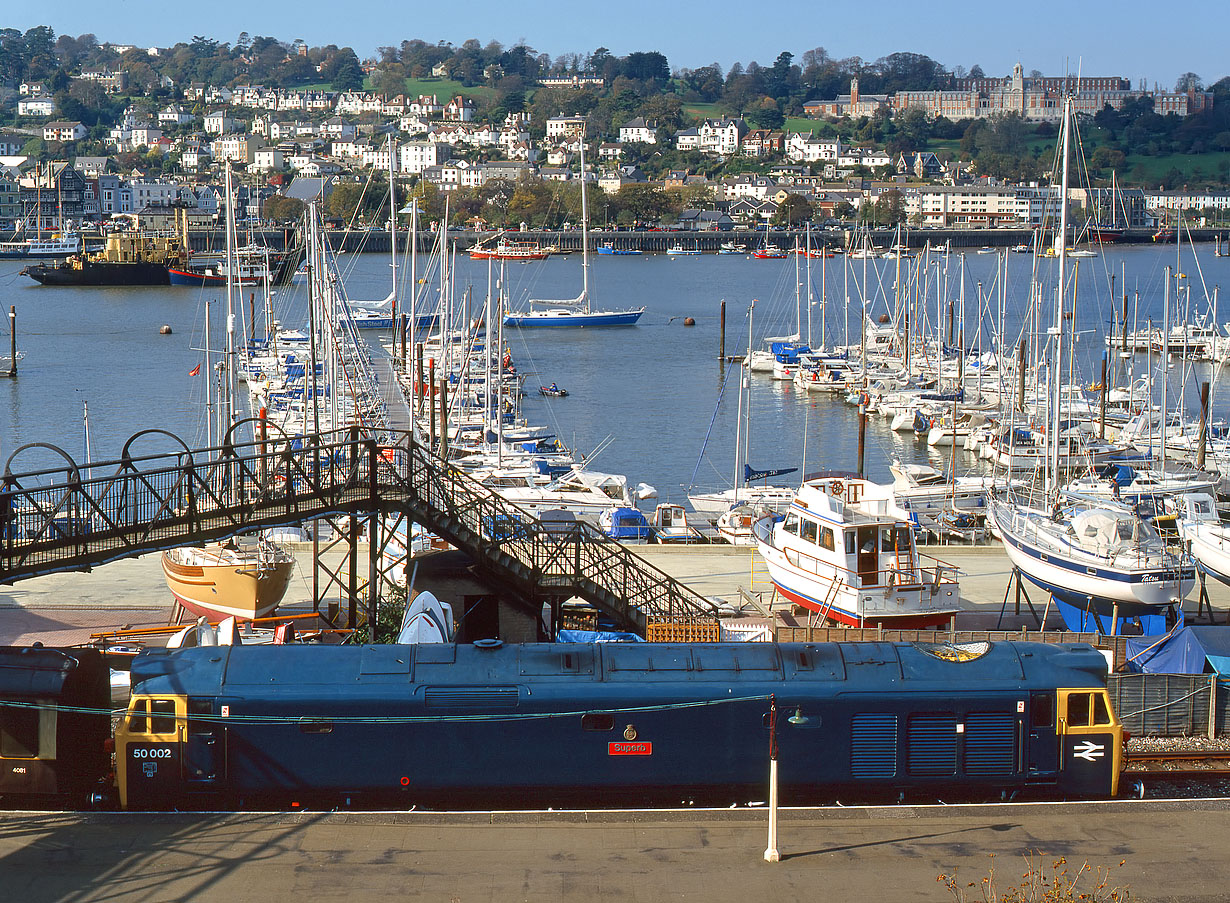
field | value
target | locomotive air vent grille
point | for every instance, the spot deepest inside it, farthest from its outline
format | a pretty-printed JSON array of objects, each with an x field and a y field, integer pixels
[
  {"x": 470, "y": 697},
  {"x": 873, "y": 746},
  {"x": 931, "y": 744},
  {"x": 990, "y": 743}
]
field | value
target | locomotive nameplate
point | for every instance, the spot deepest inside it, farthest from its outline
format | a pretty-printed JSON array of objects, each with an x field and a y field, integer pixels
[{"x": 623, "y": 748}]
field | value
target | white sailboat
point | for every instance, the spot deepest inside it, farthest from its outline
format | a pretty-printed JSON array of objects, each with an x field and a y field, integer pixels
[
  {"x": 574, "y": 312},
  {"x": 1097, "y": 558}
]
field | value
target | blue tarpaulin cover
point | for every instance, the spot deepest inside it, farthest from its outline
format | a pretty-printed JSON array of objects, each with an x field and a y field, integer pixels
[
  {"x": 1190, "y": 650},
  {"x": 596, "y": 636}
]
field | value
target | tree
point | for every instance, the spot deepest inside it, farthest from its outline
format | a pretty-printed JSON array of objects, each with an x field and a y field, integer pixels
[
  {"x": 1188, "y": 81},
  {"x": 389, "y": 80},
  {"x": 793, "y": 209},
  {"x": 281, "y": 209},
  {"x": 343, "y": 71}
]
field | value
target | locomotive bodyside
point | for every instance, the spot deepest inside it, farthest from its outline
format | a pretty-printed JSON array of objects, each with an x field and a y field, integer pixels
[{"x": 641, "y": 724}]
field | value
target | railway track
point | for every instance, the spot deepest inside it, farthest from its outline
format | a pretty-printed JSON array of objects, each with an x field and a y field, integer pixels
[{"x": 1179, "y": 763}]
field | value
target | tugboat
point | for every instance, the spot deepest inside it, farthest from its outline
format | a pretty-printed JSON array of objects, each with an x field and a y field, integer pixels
[{"x": 127, "y": 259}]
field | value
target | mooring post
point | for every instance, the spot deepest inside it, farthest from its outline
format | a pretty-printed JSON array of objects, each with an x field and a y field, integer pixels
[
  {"x": 722, "y": 332},
  {"x": 1102, "y": 402},
  {"x": 862, "y": 434},
  {"x": 431, "y": 402},
  {"x": 13, "y": 340},
  {"x": 1202, "y": 443}
]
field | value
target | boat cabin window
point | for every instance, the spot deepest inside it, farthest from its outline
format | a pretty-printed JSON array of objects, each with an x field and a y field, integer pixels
[
  {"x": 792, "y": 524},
  {"x": 826, "y": 538},
  {"x": 19, "y": 733},
  {"x": 810, "y": 528},
  {"x": 895, "y": 539},
  {"x": 1087, "y": 709},
  {"x": 1124, "y": 528},
  {"x": 849, "y": 542}
]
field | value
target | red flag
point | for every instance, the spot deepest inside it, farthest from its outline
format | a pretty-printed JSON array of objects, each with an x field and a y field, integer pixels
[{"x": 195, "y": 371}]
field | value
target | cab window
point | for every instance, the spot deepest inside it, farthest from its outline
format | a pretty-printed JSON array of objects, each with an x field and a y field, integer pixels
[
  {"x": 809, "y": 530},
  {"x": 162, "y": 716},
  {"x": 1079, "y": 710},
  {"x": 826, "y": 538},
  {"x": 792, "y": 524},
  {"x": 1088, "y": 709},
  {"x": 137, "y": 720}
]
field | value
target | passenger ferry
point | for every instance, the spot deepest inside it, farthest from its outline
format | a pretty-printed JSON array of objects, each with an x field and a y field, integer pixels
[{"x": 845, "y": 551}]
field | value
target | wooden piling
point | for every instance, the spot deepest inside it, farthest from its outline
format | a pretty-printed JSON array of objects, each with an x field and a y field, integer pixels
[{"x": 1204, "y": 425}]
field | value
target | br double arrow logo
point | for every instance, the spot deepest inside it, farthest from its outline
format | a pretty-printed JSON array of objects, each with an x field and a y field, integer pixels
[{"x": 1089, "y": 751}]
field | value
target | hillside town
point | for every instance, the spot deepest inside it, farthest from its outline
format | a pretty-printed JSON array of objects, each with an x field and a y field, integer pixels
[{"x": 958, "y": 156}]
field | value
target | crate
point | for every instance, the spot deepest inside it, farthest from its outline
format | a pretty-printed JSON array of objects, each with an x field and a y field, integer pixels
[{"x": 683, "y": 632}]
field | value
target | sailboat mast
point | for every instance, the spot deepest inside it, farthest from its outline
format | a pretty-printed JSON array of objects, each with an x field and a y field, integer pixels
[
  {"x": 393, "y": 237},
  {"x": 231, "y": 267},
  {"x": 414, "y": 282},
  {"x": 743, "y": 380},
  {"x": 1061, "y": 248},
  {"x": 584, "y": 229}
]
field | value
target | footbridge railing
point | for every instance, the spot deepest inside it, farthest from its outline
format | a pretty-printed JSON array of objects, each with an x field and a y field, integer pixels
[{"x": 72, "y": 517}]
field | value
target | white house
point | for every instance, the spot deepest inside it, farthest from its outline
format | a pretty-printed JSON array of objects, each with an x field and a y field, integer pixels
[
  {"x": 240, "y": 148},
  {"x": 459, "y": 109},
  {"x": 808, "y": 148},
  {"x": 561, "y": 126},
  {"x": 416, "y": 156},
  {"x": 639, "y": 130},
  {"x": 64, "y": 131},
  {"x": 267, "y": 159},
  {"x": 36, "y": 106},
  {"x": 219, "y": 122},
  {"x": 174, "y": 114}
]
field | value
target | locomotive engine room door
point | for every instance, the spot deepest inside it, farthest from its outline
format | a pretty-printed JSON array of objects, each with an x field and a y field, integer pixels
[
  {"x": 1090, "y": 740},
  {"x": 205, "y": 748}
]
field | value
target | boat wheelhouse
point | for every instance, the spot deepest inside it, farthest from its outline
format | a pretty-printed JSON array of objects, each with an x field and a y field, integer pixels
[{"x": 845, "y": 551}]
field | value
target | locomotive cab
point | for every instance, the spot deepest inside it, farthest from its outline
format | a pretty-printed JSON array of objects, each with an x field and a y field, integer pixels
[
  {"x": 149, "y": 746},
  {"x": 1090, "y": 740}
]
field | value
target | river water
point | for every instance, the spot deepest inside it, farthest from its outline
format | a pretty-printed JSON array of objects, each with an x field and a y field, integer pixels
[{"x": 645, "y": 395}]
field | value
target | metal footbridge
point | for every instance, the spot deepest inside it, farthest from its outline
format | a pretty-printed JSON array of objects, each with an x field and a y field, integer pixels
[{"x": 70, "y": 517}]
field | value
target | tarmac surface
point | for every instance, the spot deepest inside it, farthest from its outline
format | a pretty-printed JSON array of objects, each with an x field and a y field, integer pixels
[
  {"x": 1158, "y": 851},
  {"x": 67, "y": 608}
]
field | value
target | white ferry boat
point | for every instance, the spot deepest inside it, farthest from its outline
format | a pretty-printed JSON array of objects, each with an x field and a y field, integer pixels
[{"x": 845, "y": 550}]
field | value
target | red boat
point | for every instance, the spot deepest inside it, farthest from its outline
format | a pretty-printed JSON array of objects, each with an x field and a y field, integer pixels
[
  {"x": 770, "y": 254},
  {"x": 511, "y": 250},
  {"x": 1105, "y": 234}
]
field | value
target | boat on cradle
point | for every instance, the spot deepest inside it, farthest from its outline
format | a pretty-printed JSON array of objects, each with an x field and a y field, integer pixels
[
  {"x": 1099, "y": 560},
  {"x": 624, "y": 524},
  {"x": 42, "y": 248},
  {"x": 573, "y": 312},
  {"x": 1206, "y": 537},
  {"x": 506, "y": 249},
  {"x": 669, "y": 524},
  {"x": 845, "y": 551},
  {"x": 241, "y": 579},
  {"x": 618, "y": 252},
  {"x": 735, "y": 524}
]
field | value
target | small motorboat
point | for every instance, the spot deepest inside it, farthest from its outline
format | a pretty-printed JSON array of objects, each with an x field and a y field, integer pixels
[{"x": 552, "y": 391}]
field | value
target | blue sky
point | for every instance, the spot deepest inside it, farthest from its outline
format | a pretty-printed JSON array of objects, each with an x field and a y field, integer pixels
[{"x": 1131, "y": 38}]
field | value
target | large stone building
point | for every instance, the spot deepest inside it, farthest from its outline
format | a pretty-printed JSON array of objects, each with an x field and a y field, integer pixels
[{"x": 1036, "y": 98}]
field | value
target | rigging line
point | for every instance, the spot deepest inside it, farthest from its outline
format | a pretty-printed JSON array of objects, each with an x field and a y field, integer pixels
[{"x": 712, "y": 420}]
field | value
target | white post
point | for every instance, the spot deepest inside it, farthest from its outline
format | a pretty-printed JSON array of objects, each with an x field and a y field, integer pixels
[{"x": 771, "y": 853}]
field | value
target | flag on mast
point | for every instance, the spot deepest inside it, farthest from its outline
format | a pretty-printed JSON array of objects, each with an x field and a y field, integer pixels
[{"x": 195, "y": 371}]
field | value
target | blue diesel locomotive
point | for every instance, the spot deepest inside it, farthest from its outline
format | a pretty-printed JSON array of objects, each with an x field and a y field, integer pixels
[{"x": 489, "y": 725}]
